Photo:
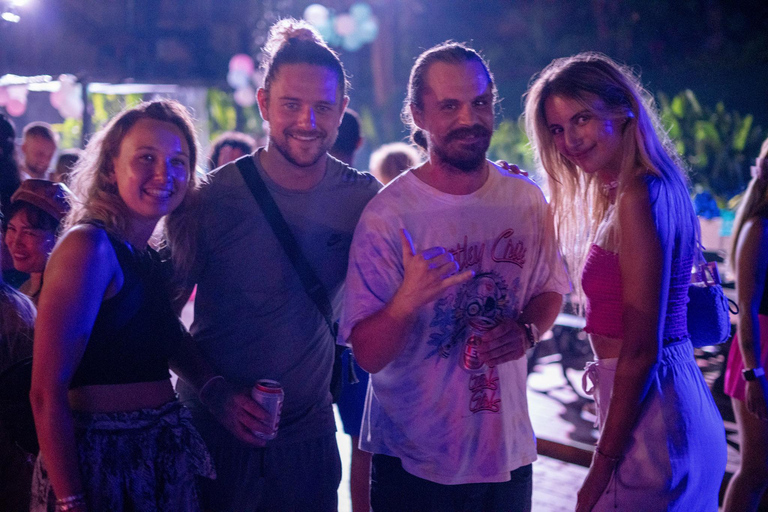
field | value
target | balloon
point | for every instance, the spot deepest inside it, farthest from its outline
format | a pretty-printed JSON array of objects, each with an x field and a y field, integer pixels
[
  {"x": 17, "y": 92},
  {"x": 316, "y": 14},
  {"x": 368, "y": 30},
  {"x": 360, "y": 11},
  {"x": 352, "y": 43},
  {"x": 68, "y": 79},
  {"x": 15, "y": 107},
  {"x": 327, "y": 32},
  {"x": 237, "y": 78},
  {"x": 245, "y": 97},
  {"x": 344, "y": 24},
  {"x": 257, "y": 78},
  {"x": 73, "y": 95},
  {"x": 3, "y": 96},
  {"x": 241, "y": 62},
  {"x": 57, "y": 98},
  {"x": 67, "y": 83},
  {"x": 71, "y": 108}
]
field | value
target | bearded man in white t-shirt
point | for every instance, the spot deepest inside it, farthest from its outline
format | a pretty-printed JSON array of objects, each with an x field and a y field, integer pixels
[{"x": 454, "y": 270}]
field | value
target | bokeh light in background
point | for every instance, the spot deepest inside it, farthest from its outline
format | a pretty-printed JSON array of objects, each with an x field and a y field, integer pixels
[{"x": 350, "y": 30}]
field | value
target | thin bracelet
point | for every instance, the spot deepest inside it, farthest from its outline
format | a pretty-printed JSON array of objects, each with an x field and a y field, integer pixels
[
  {"x": 202, "y": 389},
  {"x": 614, "y": 460}
]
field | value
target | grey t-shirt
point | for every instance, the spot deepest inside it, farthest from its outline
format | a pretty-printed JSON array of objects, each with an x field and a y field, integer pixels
[{"x": 253, "y": 318}]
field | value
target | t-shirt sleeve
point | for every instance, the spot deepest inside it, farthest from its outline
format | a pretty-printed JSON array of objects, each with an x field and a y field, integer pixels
[
  {"x": 375, "y": 270},
  {"x": 549, "y": 274}
]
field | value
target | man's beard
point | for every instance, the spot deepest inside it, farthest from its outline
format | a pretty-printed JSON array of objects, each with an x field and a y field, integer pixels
[
  {"x": 285, "y": 150},
  {"x": 470, "y": 158}
]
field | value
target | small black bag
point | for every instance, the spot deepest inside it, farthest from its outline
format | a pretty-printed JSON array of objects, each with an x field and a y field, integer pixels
[
  {"x": 15, "y": 410},
  {"x": 709, "y": 321}
]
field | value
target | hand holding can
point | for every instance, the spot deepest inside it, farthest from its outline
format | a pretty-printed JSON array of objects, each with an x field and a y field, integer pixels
[{"x": 269, "y": 395}]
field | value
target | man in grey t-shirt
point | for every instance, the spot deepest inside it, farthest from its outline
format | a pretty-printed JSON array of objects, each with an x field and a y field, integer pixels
[{"x": 253, "y": 318}]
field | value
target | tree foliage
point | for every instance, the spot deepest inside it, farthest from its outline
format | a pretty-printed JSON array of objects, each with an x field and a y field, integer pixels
[{"x": 717, "y": 143}]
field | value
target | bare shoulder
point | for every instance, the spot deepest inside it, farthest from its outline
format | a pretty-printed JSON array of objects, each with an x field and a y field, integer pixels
[
  {"x": 753, "y": 238},
  {"x": 82, "y": 247},
  {"x": 634, "y": 203},
  {"x": 755, "y": 229}
]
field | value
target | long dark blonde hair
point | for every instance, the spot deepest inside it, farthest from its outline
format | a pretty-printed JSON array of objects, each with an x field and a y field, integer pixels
[
  {"x": 754, "y": 203},
  {"x": 96, "y": 198},
  {"x": 579, "y": 200}
]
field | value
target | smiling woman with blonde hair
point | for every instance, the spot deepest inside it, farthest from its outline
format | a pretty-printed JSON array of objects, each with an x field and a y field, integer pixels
[
  {"x": 626, "y": 225},
  {"x": 112, "y": 434}
]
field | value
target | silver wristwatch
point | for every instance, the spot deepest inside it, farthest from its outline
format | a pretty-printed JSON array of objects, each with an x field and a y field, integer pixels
[{"x": 531, "y": 334}]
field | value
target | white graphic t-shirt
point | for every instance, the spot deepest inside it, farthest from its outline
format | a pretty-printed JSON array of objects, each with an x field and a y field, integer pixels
[{"x": 449, "y": 425}]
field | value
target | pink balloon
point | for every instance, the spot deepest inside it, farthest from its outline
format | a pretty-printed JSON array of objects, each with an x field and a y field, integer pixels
[
  {"x": 245, "y": 97},
  {"x": 345, "y": 25},
  {"x": 241, "y": 62},
  {"x": 71, "y": 109},
  {"x": 16, "y": 107},
  {"x": 57, "y": 98},
  {"x": 17, "y": 92}
]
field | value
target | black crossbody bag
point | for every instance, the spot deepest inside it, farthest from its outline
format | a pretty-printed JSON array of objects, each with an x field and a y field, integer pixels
[{"x": 312, "y": 284}]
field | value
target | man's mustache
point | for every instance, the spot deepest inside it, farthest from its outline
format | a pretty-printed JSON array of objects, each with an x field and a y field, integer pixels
[{"x": 472, "y": 131}]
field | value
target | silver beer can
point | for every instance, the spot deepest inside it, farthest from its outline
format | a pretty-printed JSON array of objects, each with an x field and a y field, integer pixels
[{"x": 269, "y": 394}]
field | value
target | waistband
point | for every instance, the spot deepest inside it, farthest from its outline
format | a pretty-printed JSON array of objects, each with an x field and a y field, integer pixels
[
  {"x": 681, "y": 350},
  {"x": 171, "y": 413}
]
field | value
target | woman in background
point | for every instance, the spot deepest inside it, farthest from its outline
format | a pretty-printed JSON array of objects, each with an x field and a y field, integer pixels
[
  {"x": 112, "y": 434},
  {"x": 17, "y": 320},
  {"x": 625, "y": 221},
  {"x": 36, "y": 210},
  {"x": 745, "y": 380}
]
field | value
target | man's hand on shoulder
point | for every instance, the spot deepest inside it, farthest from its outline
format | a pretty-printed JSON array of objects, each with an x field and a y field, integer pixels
[
  {"x": 238, "y": 413},
  {"x": 514, "y": 169}
]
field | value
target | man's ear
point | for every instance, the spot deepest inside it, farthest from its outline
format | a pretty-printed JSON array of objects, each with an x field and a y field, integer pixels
[
  {"x": 262, "y": 99},
  {"x": 418, "y": 116}
]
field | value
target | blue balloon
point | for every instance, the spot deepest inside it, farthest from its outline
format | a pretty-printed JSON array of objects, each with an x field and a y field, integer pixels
[
  {"x": 352, "y": 42},
  {"x": 360, "y": 11},
  {"x": 237, "y": 78},
  {"x": 368, "y": 30}
]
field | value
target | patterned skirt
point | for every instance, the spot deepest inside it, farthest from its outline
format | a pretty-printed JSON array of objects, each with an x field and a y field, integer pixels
[{"x": 145, "y": 460}]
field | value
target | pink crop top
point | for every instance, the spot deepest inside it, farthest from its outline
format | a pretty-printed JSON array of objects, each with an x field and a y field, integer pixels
[{"x": 601, "y": 281}]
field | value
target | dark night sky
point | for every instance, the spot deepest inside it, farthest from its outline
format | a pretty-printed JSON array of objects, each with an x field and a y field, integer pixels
[{"x": 718, "y": 49}]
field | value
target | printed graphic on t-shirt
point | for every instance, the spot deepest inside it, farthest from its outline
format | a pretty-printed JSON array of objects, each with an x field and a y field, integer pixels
[
  {"x": 479, "y": 305},
  {"x": 505, "y": 249}
]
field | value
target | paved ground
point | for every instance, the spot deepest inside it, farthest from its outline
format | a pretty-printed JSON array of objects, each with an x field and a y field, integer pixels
[
  {"x": 554, "y": 489},
  {"x": 562, "y": 418}
]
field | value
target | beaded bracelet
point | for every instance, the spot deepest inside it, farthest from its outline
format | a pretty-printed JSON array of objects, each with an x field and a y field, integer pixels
[{"x": 70, "y": 502}]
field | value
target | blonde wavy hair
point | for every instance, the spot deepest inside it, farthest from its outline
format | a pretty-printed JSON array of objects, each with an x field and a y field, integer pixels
[
  {"x": 579, "y": 200},
  {"x": 754, "y": 203},
  {"x": 96, "y": 198}
]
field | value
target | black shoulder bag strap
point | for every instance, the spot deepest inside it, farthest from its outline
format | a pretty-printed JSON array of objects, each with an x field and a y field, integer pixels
[{"x": 309, "y": 279}]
